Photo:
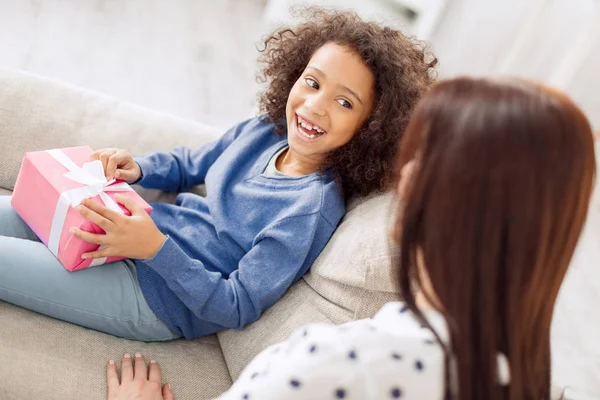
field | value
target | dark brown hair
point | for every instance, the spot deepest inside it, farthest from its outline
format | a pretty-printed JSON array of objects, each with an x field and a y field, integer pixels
[
  {"x": 505, "y": 170},
  {"x": 402, "y": 74}
]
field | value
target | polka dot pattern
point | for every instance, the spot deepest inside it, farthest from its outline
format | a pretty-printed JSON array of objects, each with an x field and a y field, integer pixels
[
  {"x": 388, "y": 357},
  {"x": 419, "y": 365}
]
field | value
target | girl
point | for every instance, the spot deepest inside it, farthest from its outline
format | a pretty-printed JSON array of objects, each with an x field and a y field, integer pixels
[
  {"x": 339, "y": 96},
  {"x": 495, "y": 186}
]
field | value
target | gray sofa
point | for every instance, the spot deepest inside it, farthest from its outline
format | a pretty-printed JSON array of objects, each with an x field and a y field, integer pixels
[{"x": 43, "y": 359}]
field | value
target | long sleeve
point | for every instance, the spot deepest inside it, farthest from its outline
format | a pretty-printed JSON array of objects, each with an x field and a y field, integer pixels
[
  {"x": 389, "y": 358},
  {"x": 280, "y": 254},
  {"x": 182, "y": 168}
]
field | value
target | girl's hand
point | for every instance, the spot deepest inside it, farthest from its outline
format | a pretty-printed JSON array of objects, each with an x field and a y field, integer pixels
[
  {"x": 136, "y": 236},
  {"x": 118, "y": 164},
  {"x": 137, "y": 381}
]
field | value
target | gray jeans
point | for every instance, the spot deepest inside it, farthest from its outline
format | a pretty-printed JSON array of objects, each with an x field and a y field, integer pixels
[{"x": 107, "y": 298}]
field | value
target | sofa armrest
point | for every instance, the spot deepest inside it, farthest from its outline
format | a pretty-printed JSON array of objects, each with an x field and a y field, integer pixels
[{"x": 38, "y": 113}]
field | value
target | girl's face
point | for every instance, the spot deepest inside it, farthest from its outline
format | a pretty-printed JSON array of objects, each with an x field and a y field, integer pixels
[{"x": 329, "y": 103}]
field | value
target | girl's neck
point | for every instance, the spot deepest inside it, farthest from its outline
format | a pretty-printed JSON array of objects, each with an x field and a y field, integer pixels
[{"x": 293, "y": 164}]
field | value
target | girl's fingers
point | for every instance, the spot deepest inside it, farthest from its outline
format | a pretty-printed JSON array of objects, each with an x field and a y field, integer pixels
[
  {"x": 111, "y": 166},
  {"x": 167, "y": 393},
  {"x": 88, "y": 237},
  {"x": 141, "y": 373},
  {"x": 119, "y": 158},
  {"x": 126, "y": 369},
  {"x": 95, "y": 218},
  {"x": 154, "y": 373},
  {"x": 130, "y": 204},
  {"x": 104, "y": 253},
  {"x": 104, "y": 156},
  {"x": 106, "y": 212},
  {"x": 126, "y": 175},
  {"x": 96, "y": 154},
  {"x": 112, "y": 379}
]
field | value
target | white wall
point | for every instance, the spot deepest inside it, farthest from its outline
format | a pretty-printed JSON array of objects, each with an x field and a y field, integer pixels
[
  {"x": 191, "y": 58},
  {"x": 555, "y": 41}
]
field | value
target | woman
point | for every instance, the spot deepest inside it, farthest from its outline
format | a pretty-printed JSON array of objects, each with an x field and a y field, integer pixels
[{"x": 496, "y": 181}]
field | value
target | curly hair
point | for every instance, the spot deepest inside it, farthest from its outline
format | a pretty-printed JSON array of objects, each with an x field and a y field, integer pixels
[{"x": 403, "y": 71}]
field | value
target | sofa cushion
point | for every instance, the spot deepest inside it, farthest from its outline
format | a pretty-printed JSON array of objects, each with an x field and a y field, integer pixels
[
  {"x": 351, "y": 279},
  {"x": 39, "y": 113},
  {"x": 46, "y": 359},
  {"x": 36, "y": 114}
]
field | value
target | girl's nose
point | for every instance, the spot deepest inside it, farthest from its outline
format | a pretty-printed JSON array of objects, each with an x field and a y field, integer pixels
[{"x": 315, "y": 105}]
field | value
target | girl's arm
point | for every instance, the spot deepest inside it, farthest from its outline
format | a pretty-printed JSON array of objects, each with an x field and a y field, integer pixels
[
  {"x": 282, "y": 253},
  {"x": 182, "y": 168}
]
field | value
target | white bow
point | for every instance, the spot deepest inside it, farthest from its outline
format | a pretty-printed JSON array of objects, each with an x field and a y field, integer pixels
[{"x": 91, "y": 175}]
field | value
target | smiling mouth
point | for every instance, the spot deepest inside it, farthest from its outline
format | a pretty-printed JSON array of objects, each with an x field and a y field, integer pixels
[{"x": 308, "y": 129}]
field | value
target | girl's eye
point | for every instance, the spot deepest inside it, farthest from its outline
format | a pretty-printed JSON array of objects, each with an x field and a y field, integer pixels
[
  {"x": 345, "y": 103},
  {"x": 312, "y": 83}
]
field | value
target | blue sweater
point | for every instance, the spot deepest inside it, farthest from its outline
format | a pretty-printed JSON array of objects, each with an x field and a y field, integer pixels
[{"x": 232, "y": 254}]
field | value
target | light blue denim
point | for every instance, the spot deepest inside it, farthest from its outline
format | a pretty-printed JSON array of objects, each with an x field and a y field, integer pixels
[{"x": 106, "y": 298}]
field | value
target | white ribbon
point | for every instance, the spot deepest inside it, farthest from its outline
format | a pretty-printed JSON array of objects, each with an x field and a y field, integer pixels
[{"x": 91, "y": 175}]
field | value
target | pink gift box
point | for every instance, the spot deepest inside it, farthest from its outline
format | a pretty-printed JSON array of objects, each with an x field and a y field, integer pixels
[{"x": 36, "y": 197}]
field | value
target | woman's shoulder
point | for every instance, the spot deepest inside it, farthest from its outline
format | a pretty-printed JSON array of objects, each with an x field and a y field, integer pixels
[
  {"x": 393, "y": 351},
  {"x": 388, "y": 356},
  {"x": 394, "y": 323},
  {"x": 397, "y": 317}
]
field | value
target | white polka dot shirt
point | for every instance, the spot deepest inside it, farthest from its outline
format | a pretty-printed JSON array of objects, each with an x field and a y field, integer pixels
[{"x": 387, "y": 357}]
